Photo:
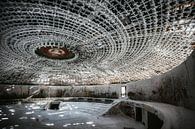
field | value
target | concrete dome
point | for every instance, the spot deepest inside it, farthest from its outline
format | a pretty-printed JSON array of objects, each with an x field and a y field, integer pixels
[{"x": 115, "y": 40}]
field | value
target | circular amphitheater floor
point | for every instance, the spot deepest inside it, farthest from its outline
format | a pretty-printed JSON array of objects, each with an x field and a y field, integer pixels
[{"x": 70, "y": 115}]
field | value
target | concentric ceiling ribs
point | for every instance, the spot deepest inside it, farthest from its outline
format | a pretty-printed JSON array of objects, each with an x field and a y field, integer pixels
[{"x": 114, "y": 40}]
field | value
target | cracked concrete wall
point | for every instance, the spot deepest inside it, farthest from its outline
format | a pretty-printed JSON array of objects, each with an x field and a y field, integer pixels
[
  {"x": 23, "y": 91},
  {"x": 175, "y": 87},
  {"x": 98, "y": 91}
]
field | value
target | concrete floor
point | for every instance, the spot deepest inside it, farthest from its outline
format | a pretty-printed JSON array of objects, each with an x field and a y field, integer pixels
[{"x": 71, "y": 115}]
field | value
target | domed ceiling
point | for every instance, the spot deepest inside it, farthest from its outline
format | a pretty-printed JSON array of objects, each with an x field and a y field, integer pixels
[{"x": 77, "y": 42}]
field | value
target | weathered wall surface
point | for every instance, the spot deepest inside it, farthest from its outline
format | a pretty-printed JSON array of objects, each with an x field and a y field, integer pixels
[
  {"x": 99, "y": 91},
  {"x": 175, "y": 87},
  {"x": 87, "y": 91}
]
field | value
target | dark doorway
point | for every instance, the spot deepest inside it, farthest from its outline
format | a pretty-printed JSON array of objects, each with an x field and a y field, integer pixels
[
  {"x": 154, "y": 122},
  {"x": 138, "y": 114}
]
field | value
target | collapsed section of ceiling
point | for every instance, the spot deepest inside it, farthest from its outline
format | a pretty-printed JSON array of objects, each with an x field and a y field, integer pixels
[{"x": 112, "y": 40}]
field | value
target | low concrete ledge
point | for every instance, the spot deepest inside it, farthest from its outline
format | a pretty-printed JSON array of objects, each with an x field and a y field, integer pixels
[
  {"x": 75, "y": 99},
  {"x": 157, "y": 115}
]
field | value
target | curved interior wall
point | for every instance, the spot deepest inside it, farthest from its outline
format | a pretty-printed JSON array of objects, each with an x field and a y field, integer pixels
[
  {"x": 155, "y": 115},
  {"x": 175, "y": 87},
  {"x": 24, "y": 91}
]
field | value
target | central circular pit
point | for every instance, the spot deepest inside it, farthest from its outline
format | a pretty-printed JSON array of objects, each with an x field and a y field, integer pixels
[{"x": 55, "y": 52}]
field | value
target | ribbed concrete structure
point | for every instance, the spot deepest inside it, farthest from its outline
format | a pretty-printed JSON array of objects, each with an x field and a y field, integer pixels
[
  {"x": 97, "y": 64},
  {"x": 113, "y": 40}
]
